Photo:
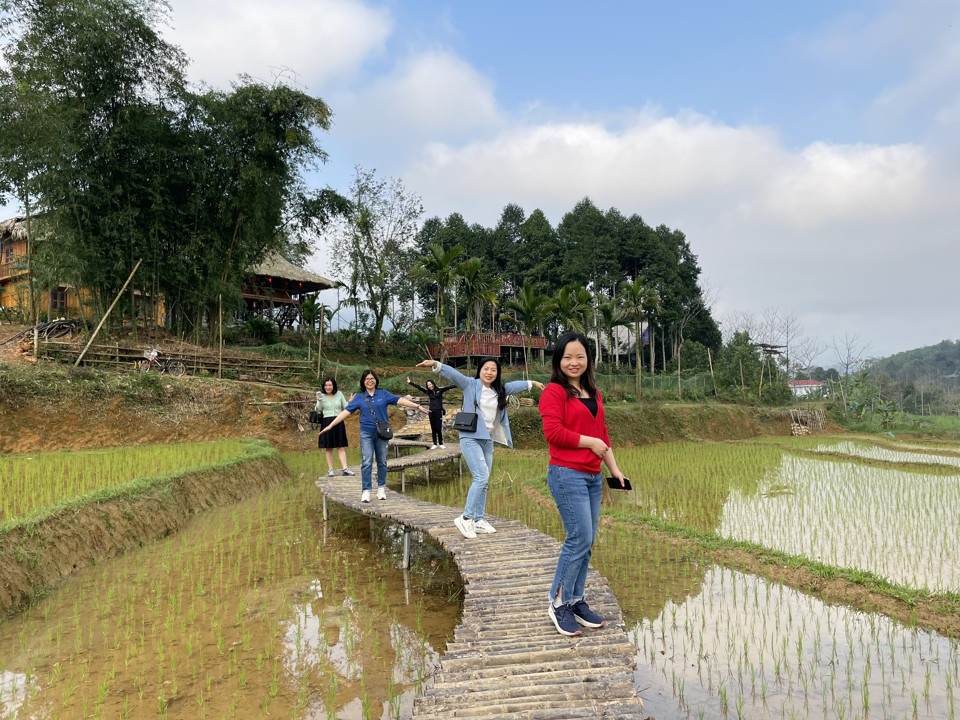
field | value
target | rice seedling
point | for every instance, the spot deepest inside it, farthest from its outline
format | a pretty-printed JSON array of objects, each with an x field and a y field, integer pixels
[
  {"x": 228, "y": 619},
  {"x": 718, "y": 643},
  {"x": 35, "y": 482}
]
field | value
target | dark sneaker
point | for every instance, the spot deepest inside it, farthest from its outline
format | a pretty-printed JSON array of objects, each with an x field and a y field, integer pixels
[
  {"x": 585, "y": 616},
  {"x": 564, "y": 620}
]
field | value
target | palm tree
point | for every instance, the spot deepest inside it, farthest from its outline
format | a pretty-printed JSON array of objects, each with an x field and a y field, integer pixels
[
  {"x": 610, "y": 316},
  {"x": 528, "y": 310},
  {"x": 638, "y": 299},
  {"x": 478, "y": 288},
  {"x": 439, "y": 266},
  {"x": 572, "y": 308}
]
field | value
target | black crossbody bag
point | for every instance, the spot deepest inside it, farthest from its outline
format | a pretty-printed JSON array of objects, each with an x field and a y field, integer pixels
[
  {"x": 384, "y": 428},
  {"x": 466, "y": 421}
]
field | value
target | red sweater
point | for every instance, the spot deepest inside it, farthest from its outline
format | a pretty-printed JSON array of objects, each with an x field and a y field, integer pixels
[{"x": 565, "y": 419}]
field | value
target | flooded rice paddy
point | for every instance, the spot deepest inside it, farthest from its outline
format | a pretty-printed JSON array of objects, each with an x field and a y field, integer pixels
[
  {"x": 717, "y": 643},
  {"x": 261, "y": 610},
  {"x": 254, "y": 611}
]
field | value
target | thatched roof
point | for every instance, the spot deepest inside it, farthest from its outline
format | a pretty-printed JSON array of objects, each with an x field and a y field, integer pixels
[
  {"x": 14, "y": 227},
  {"x": 276, "y": 266}
]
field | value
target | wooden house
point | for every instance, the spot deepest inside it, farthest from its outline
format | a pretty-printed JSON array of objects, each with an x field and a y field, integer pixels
[
  {"x": 60, "y": 301},
  {"x": 509, "y": 346},
  {"x": 274, "y": 288}
]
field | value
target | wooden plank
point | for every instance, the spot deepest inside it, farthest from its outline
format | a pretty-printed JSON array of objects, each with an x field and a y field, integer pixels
[{"x": 517, "y": 669}]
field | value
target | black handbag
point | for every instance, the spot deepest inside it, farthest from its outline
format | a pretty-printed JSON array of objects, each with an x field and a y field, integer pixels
[
  {"x": 384, "y": 428},
  {"x": 466, "y": 421},
  {"x": 315, "y": 417}
]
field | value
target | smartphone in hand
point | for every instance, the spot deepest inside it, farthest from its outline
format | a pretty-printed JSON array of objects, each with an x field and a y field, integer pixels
[{"x": 614, "y": 484}]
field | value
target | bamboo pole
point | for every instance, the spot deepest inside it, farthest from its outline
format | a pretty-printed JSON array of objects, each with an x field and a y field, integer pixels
[
  {"x": 220, "y": 331},
  {"x": 107, "y": 313}
]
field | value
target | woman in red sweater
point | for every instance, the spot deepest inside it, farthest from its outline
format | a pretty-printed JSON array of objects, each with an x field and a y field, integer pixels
[{"x": 574, "y": 426}]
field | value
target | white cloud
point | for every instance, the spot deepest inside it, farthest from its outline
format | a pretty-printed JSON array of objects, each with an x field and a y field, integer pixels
[
  {"x": 851, "y": 238},
  {"x": 429, "y": 95},
  {"x": 307, "y": 43},
  {"x": 914, "y": 41}
]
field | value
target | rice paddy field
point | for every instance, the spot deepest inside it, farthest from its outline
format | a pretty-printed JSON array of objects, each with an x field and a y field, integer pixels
[
  {"x": 258, "y": 610},
  {"x": 713, "y": 642},
  {"x": 262, "y": 610}
]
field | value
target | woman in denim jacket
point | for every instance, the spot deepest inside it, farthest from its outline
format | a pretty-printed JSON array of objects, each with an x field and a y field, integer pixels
[{"x": 486, "y": 394}]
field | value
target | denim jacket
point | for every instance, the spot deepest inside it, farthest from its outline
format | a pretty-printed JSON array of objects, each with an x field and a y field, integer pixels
[{"x": 471, "y": 388}]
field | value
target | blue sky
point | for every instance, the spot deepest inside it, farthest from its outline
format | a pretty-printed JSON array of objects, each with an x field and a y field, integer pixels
[{"x": 808, "y": 150}]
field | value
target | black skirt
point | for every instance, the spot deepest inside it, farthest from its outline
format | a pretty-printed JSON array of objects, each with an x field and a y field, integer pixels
[{"x": 335, "y": 438}]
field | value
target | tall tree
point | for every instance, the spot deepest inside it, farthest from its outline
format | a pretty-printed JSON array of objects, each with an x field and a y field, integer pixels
[
  {"x": 591, "y": 255},
  {"x": 529, "y": 310},
  {"x": 638, "y": 299},
  {"x": 439, "y": 266},
  {"x": 129, "y": 164},
  {"x": 572, "y": 309},
  {"x": 372, "y": 243}
]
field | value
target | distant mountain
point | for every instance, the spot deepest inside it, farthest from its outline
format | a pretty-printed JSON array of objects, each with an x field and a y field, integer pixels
[{"x": 923, "y": 363}]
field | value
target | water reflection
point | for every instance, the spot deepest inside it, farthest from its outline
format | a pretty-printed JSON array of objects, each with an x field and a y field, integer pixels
[
  {"x": 744, "y": 647},
  {"x": 898, "y": 525},
  {"x": 908, "y": 453},
  {"x": 14, "y": 688},
  {"x": 254, "y": 610}
]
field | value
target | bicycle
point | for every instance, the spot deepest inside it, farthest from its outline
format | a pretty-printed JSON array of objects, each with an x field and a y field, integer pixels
[{"x": 151, "y": 360}]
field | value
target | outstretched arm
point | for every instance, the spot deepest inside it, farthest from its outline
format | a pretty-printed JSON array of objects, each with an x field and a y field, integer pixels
[
  {"x": 406, "y": 402},
  {"x": 515, "y": 387},
  {"x": 447, "y": 372},
  {"x": 336, "y": 421},
  {"x": 421, "y": 389}
]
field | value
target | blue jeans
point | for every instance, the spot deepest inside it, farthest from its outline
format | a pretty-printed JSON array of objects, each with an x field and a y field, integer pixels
[
  {"x": 478, "y": 455},
  {"x": 577, "y": 495},
  {"x": 371, "y": 444}
]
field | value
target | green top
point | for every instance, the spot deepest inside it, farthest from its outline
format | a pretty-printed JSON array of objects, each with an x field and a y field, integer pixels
[{"x": 331, "y": 406}]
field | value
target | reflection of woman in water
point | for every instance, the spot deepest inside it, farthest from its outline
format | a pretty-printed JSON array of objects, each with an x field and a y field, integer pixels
[
  {"x": 330, "y": 402},
  {"x": 435, "y": 397}
]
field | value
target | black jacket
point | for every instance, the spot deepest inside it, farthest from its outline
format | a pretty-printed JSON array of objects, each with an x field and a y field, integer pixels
[{"x": 435, "y": 397}]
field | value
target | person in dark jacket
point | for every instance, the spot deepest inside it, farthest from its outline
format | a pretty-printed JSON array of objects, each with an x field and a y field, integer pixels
[{"x": 435, "y": 396}]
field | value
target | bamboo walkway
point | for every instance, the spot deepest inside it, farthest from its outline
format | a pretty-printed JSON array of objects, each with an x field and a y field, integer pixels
[{"x": 506, "y": 659}]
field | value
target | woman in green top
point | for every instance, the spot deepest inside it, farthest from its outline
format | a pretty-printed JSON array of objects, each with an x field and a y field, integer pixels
[{"x": 330, "y": 402}]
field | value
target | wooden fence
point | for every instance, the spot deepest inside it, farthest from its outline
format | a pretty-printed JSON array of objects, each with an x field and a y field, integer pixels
[{"x": 197, "y": 363}]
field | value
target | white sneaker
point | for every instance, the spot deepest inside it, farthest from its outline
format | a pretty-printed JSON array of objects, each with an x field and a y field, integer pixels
[
  {"x": 381, "y": 493},
  {"x": 465, "y": 526},
  {"x": 330, "y": 473},
  {"x": 442, "y": 446},
  {"x": 482, "y": 526},
  {"x": 433, "y": 447},
  {"x": 365, "y": 496}
]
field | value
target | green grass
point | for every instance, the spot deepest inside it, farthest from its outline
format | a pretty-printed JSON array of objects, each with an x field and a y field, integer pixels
[{"x": 34, "y": 485}]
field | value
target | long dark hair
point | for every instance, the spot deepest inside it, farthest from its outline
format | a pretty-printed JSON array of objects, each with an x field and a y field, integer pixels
[
  {"x": 586, "y": 379},
  {"x": 497, "y": 383},
  {"x": 363, "y": 376},
  {"x": 427, "y": 384},
  {"x": 330, "y": 380}
]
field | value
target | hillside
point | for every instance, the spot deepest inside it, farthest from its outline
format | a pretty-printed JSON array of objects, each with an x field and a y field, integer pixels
[
  {"x": 926, "y": 363},
  {"x": 48, "y": 405}
]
